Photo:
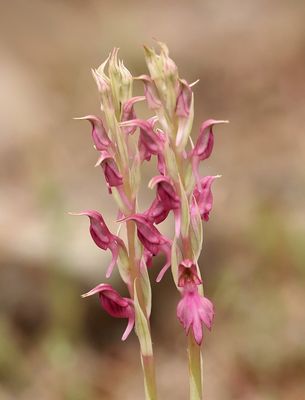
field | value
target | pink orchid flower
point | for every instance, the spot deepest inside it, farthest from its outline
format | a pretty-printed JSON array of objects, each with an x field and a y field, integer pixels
[
  {"x": 204, "y": 145},
  {"x": 150, "y": 142},
  {"x": 157, "y": 212},
  {"x": 115, "y": 305},
  {"x": 128, "y": 113},
  {"x": 103, "y": 238},
  {"x": 204, "y": 197},
  {"x": 193, "y": 310},
  {"x": 151, "y": 93},
  {"x": 153, "y": 241},
  {"x": 165, "y": 201},
  {"x": 99, "y": 135},
  {"x": 112, "y": 175},
  {"x": 184, "y": 99}
]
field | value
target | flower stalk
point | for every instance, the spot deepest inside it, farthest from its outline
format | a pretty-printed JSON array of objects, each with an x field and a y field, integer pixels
[{"x": 179, "y": 188}]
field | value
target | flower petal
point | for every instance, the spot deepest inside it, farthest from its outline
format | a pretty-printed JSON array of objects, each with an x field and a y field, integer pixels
[{"x": 99, "y": 135}]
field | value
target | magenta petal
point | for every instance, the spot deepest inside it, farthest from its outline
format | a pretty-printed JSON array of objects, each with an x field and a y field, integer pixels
[
  {"x": 97, "y": 289},
  {"x": 192, "y": 312},
  {"x": 130, "y": 325},
  {"x": 204, "y": 145},
  {"x": 103, "y": 238},
  {"x": 166, "y": 191},
  {"x": 115, "y": 252},
  {"x": 197, "y": 330},
  {"x": 152, "y": 240},
  {"x": 163, "y": 270},
  {"x": 99, "y": 135},
  {"x": 98, "y": 229},
  {"x": 150, "y": 92},
  {"x": 184, "y": 100},
  {"x": 112, "y": 175},
  {"x": 150, "y": 142},
  {"x": 203, "y": 196},
  {"x": 157, "y": 212},
  {"x": 115, "y": 305},
  {"x": 128, "y": 113},
  {"x": 166, "y": 200}
]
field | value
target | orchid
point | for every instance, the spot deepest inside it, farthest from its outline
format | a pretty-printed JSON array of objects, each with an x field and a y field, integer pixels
[
  {"x": 204, "y": 145},
  {"x": 99, "y": 134},
  {"x": 193, "y": 309},
  {"x": 179, "y": 190},
  {"x": 103, "y": 238},
  {"x": 112, "y": 175},
  {"x": 203, "y": 196},
  {"x": 115, "y": 305},
  {"x": 153, "y": 241}
]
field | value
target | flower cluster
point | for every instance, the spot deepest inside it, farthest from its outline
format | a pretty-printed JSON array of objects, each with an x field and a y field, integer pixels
[{"x": 179, "y": 188}]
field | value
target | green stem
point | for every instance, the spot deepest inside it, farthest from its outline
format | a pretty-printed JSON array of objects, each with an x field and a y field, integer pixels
[
  {"x": 195, "y": 373},
  {"x": 149, "y": 377},
  {"x": 147, "y": 361}
]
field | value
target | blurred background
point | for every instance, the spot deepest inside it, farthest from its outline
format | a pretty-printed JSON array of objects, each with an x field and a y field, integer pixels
[{"x": 250, "y": 58}]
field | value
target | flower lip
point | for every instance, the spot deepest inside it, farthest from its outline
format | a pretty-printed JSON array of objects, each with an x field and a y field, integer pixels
[{"x": 193, "y": 310}]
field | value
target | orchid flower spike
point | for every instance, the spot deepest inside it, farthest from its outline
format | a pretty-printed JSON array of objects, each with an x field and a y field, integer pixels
[
  {"x": 103, "y": 238},
  {"x": 193, "y": 310},
  {"x": 115, "y": 305}
]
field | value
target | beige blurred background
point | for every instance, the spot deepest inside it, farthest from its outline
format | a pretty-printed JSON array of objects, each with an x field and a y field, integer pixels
[{"x": 250, "y": 58}]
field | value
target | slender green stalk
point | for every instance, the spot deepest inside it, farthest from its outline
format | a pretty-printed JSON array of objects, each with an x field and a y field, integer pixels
[
  {"x": 195, "y": 373},
  {"x": 147, "y": 360},
  {"x": 149, "y": 377}
]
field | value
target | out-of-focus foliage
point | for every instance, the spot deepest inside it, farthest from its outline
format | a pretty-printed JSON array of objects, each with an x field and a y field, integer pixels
[{"x": 249, "y": 57}]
